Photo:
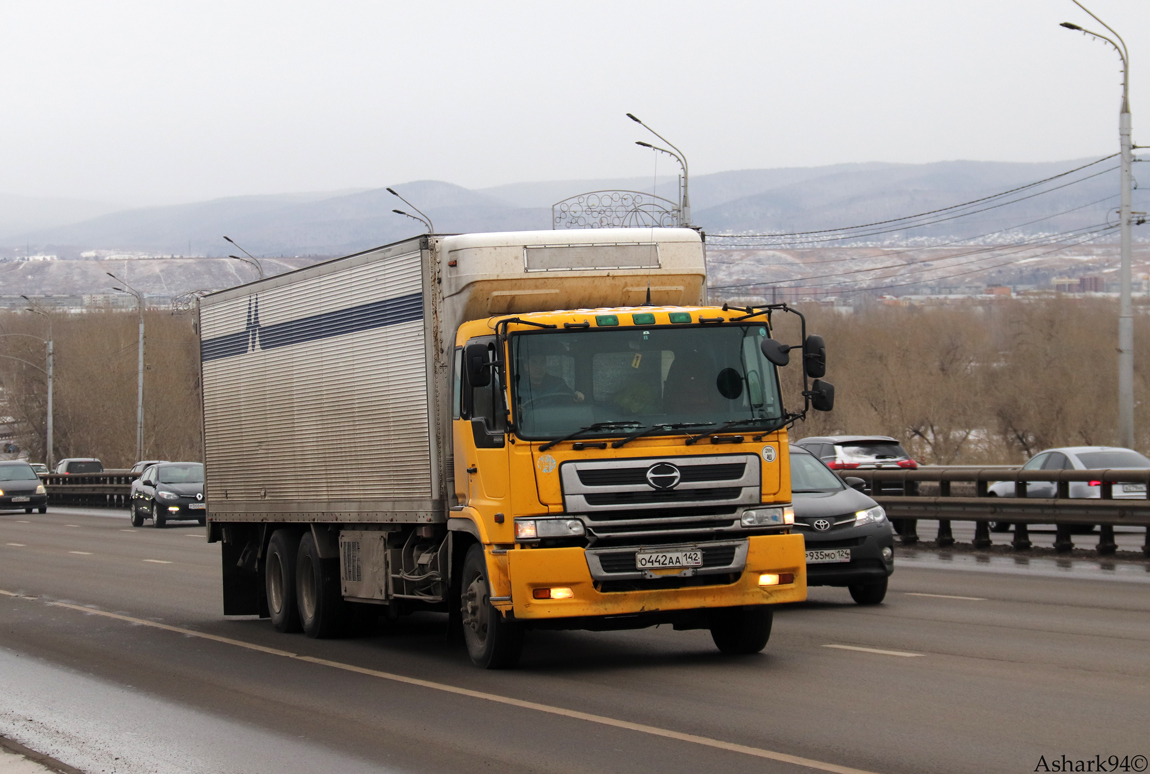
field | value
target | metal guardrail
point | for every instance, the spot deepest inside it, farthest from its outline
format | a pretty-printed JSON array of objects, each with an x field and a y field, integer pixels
[
  {"x": 907, "y": 506},
  {"x": 109, "y": 489}
]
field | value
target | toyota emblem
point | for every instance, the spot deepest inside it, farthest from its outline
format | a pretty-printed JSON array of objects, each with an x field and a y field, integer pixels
[
  {"x": 663, "y": 476},
  {"x": 822, "y": 525}
]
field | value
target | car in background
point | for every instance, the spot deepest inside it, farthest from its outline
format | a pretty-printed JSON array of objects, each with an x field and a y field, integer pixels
[
  {"x": 849, "y": 540},
  {"x": 861, "y": 452},
  {"x": 40, "y": 468},
  {"x": 168, "y": 491},
  {"x": 1077, "y": 458},
  {"x": 20, "y": 487},
  {"x": 139, "y": 467},
  {"x": 73, "y": 465}
]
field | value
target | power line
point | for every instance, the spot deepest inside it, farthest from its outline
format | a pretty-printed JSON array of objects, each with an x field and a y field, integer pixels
[{"x": 922, "y": 214}]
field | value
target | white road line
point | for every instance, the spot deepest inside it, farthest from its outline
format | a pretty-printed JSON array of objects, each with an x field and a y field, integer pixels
[
  {"x": 81, "y": 553},
  {"x": 23, "y": 522},
  {"x": 197, "y": 537},
  {"x": 157, "y": 561},
  {"x": 900, "y": 653},
  {"x": 77, "y": 526},
  {"x": 17, "y": 545},
  {"x": 944, "y": 596},
  {"x": 705, "y": 741}
]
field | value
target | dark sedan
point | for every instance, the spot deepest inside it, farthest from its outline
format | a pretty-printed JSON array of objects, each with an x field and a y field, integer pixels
[
  {"x": 169, "y": 491},
  {"x": 20, "y": 487},
  {"x": 849, "y": 540}
]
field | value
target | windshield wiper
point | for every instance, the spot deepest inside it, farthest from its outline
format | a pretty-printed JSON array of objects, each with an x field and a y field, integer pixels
[
  {"x": 587, "y": 429},
  {"x": 654, "y": 428},
  {"x": 728, "y": 426}
]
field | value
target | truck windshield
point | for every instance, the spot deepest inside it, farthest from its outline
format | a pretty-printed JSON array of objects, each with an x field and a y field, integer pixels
[{"x": 562, "y": 382}]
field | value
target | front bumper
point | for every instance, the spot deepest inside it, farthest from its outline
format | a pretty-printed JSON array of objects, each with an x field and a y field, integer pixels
[
  {"x": 531, "y": 569},
  {"x": 183, "y": 508},
  {"x": 20, "y": 500},
  {"x": 867, "y": 562}
]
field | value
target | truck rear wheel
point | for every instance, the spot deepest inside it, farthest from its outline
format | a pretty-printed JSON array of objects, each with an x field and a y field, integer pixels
[
  {"x": 279, "y": 580},
  {"x": 739, "y": 631},
  {"x": 322, "y": 611},
  {"x": 493, "y": 642}
]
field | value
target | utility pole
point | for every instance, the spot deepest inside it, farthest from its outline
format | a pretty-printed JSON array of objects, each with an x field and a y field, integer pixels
[
  {"x": 140, "y": 368},
  {"x": 1125, "y": 312},
  {"x": 37, "y": 309}
]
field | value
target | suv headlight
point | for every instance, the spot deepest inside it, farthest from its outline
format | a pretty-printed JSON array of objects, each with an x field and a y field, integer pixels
[
  {"x": 168, "y": 495},
  {"x": 875, "y": 515},
  {"x": 535, "y": 529},
  {"x": 768, "y": 517}
]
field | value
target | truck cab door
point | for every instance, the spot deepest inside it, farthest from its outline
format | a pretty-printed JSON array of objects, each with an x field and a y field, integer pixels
[{"x": 480, "y": 438}]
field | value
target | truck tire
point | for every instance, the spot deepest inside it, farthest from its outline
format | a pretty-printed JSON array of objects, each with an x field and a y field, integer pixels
[
  {"x": 741, "y": 631},
  {"x": 158, "y": 520},
  {"x": 279, "y": 580},
  {"x": 868, "y": 593},
  {"x": 322, "y": 611},
  {"x": 492, "y": 641}
]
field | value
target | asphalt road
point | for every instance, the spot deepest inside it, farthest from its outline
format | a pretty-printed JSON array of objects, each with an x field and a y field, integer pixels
[{"x": 114, "y": 657}]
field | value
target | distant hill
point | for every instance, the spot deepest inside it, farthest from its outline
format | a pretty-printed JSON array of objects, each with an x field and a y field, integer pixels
[
  {"x": 22, "y": 214},
  {"x": 747, "y": 201}
]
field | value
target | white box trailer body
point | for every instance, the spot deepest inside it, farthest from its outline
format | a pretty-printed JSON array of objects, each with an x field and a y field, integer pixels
[{"x": 326, "y": 390}]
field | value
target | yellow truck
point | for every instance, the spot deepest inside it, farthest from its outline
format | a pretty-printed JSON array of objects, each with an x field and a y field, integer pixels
[{"x": 523, "y": 430}]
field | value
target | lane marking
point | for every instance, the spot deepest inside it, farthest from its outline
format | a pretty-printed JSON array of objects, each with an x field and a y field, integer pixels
[
  {"x": 23, "y": 522},
  {"x": 133, "y": 529},
  {"x": 17, "y": 545},
  {"x": 77, "y": 526},
  {"x": 718, "y": 744},
  {"x": 944, "y": 596},
  {"x": 197, "y": 537},
  {"x": 157, "y": 561},
  {"x": 900, "y": 653},
  {"x": 81, "y": 553}
]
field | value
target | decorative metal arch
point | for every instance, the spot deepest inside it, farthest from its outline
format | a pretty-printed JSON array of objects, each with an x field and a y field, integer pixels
[{"x": 615, "y": 209}]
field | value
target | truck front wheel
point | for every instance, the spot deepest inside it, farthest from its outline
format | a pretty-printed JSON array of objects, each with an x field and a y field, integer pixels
[
  {"x": 740, "y": 630},
  {"x": 493, "y": 642},
  {"x": 279, "y": 580}
]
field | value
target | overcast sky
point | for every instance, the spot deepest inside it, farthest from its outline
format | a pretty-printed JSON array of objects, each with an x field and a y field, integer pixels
[{"x": 151, "y": 102}]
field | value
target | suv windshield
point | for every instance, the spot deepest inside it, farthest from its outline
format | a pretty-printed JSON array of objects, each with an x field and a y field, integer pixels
[
  {"x": 192, "y": 473},
  {"x": 1115, "y": 458},
  {"x": 17, "y": 473},
  {"x": 563, "y": 382},
  {"x": 810, "y": 475}
]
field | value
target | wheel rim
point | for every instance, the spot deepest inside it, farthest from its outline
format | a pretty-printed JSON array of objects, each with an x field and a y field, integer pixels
[
  {"x": 307, "y": 587},
  {"x": 475, "y": 614},
  {"x": 275, "y": 573}
]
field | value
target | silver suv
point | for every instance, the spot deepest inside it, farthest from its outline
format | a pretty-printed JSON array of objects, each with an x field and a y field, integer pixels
[{"x": 861, "y": 452}]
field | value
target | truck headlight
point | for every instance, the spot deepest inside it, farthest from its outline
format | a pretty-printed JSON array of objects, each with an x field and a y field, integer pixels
[
  {"x": 534, "y": 529},
  {"x": 768, "y": 517},
  {"x": 875, "y": 515},
  {"x": 168, "y": 495}
]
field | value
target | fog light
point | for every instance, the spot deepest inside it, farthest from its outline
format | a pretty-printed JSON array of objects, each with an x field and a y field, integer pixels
[
  {"x": 560, "y": 592},
  {"x": 887, "y": 554},
  {"x": 173, "y": 507},
  {"x": 771, "y": 579}
]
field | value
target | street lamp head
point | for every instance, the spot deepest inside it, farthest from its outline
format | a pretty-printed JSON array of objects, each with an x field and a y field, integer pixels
[
  {"x": 632, "y": 117},
  {"x": 229, "y": 239},
  {"x": 1070, "y": 26},
  {"x": 391, "y": 191},
  {"x": 400, "y": 212},
  {"x": 644, "y": 144}
]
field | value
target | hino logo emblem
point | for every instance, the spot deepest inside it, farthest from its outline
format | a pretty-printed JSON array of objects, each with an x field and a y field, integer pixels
[
  {"x": 822, "y": 525},
  {"x": 663, "y": 476}
]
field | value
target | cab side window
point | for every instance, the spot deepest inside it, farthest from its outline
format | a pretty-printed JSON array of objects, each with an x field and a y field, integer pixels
[{"x": 484, "y": 405}]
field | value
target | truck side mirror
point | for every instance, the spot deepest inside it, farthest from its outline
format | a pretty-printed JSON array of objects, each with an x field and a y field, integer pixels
[
  {"x": 477, "y": 364},
  {"x": 815, "y": 356},
  {"x": 775, "y": 352},
  {"x": 822, "y": 395}
]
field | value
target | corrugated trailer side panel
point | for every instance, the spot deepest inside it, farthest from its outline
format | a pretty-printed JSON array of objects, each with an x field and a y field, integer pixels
[{"x": 316, "y": 394}]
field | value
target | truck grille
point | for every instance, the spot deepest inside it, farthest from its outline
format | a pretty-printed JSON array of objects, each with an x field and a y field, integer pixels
[{"x": 633, "y": 476}]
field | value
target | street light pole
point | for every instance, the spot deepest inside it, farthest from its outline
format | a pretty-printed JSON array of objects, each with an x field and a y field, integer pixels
[
  {"x": 423, "y": 217},
  {"x": 1125, "y": 312},
  {"x": 250, "y": 258},
  {"x": 37, "y": 309},
  {"x": 685, "y": 204},
  {"x": 140, "y": 379}
]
